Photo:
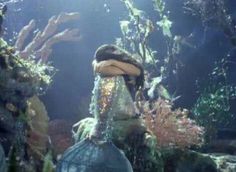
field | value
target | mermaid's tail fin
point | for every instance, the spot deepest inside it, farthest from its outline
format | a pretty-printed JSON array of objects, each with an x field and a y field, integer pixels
[{"x": 86, "y": 156}]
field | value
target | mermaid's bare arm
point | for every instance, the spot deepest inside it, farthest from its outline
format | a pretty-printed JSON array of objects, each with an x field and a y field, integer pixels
[
  {"x": 114, "y": 67},
  {"x": 129, "y": 69}
]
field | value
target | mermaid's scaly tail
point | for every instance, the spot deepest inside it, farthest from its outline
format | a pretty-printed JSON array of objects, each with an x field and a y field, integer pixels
[{"x": 86, "y": 156}]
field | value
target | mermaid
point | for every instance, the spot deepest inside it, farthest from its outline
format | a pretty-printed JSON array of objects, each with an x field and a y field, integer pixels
[{"x": 118, "y": 78}]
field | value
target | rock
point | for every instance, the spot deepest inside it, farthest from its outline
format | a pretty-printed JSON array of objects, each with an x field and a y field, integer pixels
[
  {"x": 221, "y": 146},
  {"x": 6, "y": 128},
  {"x": 3, "y": 167},
  {"x": 187, "y": 161},
  {"x": 225, "y": 163},
  {"x": 191, "y": 161}
]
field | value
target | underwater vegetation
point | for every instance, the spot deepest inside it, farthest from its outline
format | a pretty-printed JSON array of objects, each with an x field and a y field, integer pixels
[
  {"x": 25, "y": 74},
  {"x": 172, "y": 128},
  {"x": 179, "y": 128},
  {"x": 20, "y": 80},
  {"x": 212, "y": 109},
  {"x": 163, "y": 137},
  {"x": 136, "y": 32},
  {"x": 213, "y": 106},
  {"x": 60, "y": 135}
]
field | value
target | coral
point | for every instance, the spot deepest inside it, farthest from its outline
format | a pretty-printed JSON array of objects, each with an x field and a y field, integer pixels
[
  {"x": 172, "y": 127},
  {"x": 38, "y": 122},
  {"x": 41, "y": 46},
  {"x": 60, "y": 135},
  {"x": 20, "y": 78}
]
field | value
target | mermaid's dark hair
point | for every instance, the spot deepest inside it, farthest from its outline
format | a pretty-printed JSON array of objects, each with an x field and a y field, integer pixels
[{"x": 110, "y": 51}]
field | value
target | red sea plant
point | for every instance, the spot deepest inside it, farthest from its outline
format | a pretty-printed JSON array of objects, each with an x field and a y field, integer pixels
[
  {"x": 60, "y": 135},
  {"x": 172, "y": 127}
]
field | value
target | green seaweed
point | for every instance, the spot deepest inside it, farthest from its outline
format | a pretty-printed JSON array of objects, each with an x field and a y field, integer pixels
[
  {"x": 136, "y": 31},
  {"x": 212, "y": 109},
  {"x": 48, "y": 165}
]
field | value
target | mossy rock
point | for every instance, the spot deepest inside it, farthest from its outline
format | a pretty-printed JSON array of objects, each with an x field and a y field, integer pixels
[
  {"x": 187, "y": 161},
  {"x": 224, "y": 162},
  {"x": 3, "y": 166}
]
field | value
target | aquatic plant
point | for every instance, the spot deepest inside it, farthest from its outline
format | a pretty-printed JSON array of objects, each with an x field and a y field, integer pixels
[
  {"x": 173, "y": 128},
  {"x": 40, "y": 47},
  {"x": 165, "y": 24},
  {"x": 48, "y": 165},
  {"x": 136, "y": 31},
  {"x": 60, "y": 136},
  {"x": 37, "y": 121},
  {"x": 212, "y": 109},
  {"x": 20, "y": 79}
]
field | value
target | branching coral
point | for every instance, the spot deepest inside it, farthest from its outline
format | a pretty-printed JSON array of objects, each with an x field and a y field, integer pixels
[
  {"x": 172, "y": 127},
  {"x": 41, "y": 45}
]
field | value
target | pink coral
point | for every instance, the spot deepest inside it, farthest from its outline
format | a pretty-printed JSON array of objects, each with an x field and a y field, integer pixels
[{"x": 172, "y": 127}]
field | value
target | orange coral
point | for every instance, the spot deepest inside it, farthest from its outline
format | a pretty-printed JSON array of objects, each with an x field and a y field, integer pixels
[
  {"x": 41, "y": 45},
  {"x": 172, "y": 127}
]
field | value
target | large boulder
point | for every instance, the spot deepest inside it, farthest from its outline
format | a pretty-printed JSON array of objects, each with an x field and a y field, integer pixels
[
  {"x": 191, "y": 161},
  {"x": 3, "y": 167},
  {"x": 224, "y": 162},
  {"x": 187, "y": 161}
]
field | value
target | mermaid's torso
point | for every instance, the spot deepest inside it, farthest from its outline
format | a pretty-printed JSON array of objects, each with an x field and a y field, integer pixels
[{"x": 111, "y": 101}]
